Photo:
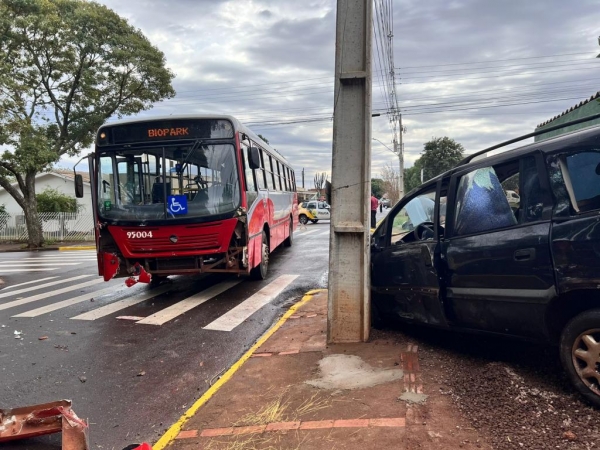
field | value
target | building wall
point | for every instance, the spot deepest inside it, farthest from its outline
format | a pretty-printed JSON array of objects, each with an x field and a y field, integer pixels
[
  {"x": 589, "y": 109},
  {"x": 64, "y": 186}
]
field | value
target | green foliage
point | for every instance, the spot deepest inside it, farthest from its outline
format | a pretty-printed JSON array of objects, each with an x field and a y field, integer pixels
[
  {"x": 377, "y": 187},
  {"x": 66, "y": 66},
  {"x": 412, "y": 177},
  {"x": 3, "y": 209},
  {"x": 263, "y": 138},
  {"x": 51, "y": 200},
  {"x": 440, "y": 155}
]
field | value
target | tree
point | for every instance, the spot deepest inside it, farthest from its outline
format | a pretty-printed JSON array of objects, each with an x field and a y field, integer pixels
[
  {"x": 3, "y": 216},
  {"x": 390, "y": 183},
  {"x": 440, "y": 155},
  {"x": 320, "y": 180},
  {"x": 377, "y": 188},
  {"x": 412, "y": 176},
  {"x": 65, "y": 67},
  {"x": 52, "y": 201}
]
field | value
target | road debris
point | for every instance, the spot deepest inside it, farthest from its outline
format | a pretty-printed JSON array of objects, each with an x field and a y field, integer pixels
[
  {"x": 141, "y": 374},
  {"x": 39, "y": 420},
  {"x": 18, "y": 334},
  {"x": 82, "y": 379},
  {"x": 42, "y": 338}
]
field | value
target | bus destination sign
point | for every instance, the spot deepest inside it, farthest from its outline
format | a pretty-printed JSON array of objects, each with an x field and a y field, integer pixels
[
  {"x": 165, "y": 130},
  {"x": 168, "y": 132}
]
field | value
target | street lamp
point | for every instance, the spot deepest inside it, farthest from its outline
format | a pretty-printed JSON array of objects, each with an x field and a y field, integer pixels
[{"x": 375, "y": 139}]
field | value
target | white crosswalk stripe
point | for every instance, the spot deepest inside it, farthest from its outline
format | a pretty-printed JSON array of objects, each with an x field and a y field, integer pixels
[
  {"x": 227, "y": 322},
  {"x": 38, "y": 264},
  {"x": 304, "y": 233},
  {"x": 45, "y": 295},
  {"x": 27, "y": 282},
  {"x": 63, "y": 304},
  {"x": 122, "y": 304},
  {"x": 237, "y": 315},
  {"x": 40, "y": 286},
  {"x": 43, "y": 269},
  {"x": 187, "y": 304}
]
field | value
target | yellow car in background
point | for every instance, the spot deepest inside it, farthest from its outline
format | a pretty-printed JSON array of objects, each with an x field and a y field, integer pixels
[{"x": 313, "y": 211}]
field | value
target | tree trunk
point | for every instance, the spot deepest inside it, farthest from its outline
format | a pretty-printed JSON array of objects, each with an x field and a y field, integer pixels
[
  {"x": 34, "y": 226},
  {"x": 32, "y": 217}
]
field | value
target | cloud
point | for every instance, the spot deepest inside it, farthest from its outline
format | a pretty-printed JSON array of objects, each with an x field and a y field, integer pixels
[{"x": 476, "y": 71}]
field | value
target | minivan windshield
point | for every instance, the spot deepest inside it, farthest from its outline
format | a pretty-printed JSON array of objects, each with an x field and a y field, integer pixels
[{"x": 178, "y": 181}]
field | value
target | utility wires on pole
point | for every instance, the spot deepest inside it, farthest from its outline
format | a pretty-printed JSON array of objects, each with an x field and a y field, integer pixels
[{"x": 383, "y": 26}]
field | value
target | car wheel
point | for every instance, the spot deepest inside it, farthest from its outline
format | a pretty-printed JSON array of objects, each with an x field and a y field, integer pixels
[
  {"x": 580, "y": 354},
  {"x": 260, "y": 271},
  {"x": 314, "y": 220},
  {"x": 303, "y": 219},
  {"x": 290, "y": 240}
]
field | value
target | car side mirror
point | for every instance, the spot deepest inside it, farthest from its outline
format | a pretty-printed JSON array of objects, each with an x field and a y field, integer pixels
[
  {"x": 254, "y": 158},
  {"x": 78, "y": 186}
]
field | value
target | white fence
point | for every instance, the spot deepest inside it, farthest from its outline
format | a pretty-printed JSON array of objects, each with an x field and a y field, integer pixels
[{"x": 55, "y": 226}]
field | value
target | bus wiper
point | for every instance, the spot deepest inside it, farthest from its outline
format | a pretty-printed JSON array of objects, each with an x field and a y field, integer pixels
[{"x": 197, "y": 144}]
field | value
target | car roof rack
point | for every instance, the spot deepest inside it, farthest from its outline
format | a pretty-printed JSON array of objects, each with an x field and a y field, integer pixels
[{"x": 469, "y": 158}]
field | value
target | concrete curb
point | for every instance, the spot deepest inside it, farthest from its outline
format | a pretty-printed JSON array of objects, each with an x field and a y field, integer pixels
[
  {"x": 170, "y": 435},
  {"x": 49, "y": 249}
]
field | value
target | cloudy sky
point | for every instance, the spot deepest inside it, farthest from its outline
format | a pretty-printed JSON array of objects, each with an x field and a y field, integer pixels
[{"x": 477, "y": 71}]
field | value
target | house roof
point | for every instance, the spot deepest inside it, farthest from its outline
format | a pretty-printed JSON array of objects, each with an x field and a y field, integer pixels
[
  {"x": 65, "y": 174},
  {"x": 572, "y": 108},
  {"x": 68, "y": 174}
]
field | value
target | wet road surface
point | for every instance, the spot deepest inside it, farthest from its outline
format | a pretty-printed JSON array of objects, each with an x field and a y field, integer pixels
[{"x": 132, "y": 360}]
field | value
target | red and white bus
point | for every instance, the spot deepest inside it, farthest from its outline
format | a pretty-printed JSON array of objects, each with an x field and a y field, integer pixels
[{"x": 187, "y": 195}]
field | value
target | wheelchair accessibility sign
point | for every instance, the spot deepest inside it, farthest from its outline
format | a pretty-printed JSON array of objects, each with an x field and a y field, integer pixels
[{"x": 177, "y": 204}]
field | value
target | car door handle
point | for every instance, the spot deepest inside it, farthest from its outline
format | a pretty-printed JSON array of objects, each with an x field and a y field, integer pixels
[{"x": 525, "y": 254}]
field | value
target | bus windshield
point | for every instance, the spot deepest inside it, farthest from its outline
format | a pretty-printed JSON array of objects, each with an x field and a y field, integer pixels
[{"x": 195, "y": 179}]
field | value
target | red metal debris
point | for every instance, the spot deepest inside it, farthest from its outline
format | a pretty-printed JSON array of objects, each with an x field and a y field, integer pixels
[
  {"x": 39, "y": 420},
  {"x": 143, "y": 276}
]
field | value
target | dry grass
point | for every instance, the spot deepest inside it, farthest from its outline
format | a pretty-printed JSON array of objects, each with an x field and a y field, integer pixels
[{"x": 277, "y": 409}]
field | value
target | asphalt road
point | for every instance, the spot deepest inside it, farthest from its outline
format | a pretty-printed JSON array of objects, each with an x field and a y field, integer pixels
[{"x": 133, "y": 377}]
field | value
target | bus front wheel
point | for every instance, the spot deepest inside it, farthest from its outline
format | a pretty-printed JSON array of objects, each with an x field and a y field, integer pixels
[
  {"x": 260, "y": 271},
  {"x": 290, "y": 239}
]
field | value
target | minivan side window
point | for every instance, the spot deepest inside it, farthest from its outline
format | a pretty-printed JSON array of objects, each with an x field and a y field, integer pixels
[
  {"x": 581, "y": 176},
  {"x": 502, "y": 196},
  {"x": 481, "y": 204},
  {"x": 418, "y": 210}
]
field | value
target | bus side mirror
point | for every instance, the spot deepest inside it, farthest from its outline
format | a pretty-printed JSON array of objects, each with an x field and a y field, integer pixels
[
  {"x": 254, "y": 158},
  {"x": 78, "y": 186}
]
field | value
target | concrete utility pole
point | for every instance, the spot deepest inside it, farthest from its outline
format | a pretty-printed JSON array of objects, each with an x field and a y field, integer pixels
[{"x": 349, "y": 295}]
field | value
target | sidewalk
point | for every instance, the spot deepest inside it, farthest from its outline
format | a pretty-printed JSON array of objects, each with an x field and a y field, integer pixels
[
  {"x": 292, "y": 391},
  {"x": 62, "y": 246}
]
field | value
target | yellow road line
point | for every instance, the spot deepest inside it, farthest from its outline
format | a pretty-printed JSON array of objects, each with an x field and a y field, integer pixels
[
  {"x": 172, "y": 432},
  {"x": 81, "y": 247}
]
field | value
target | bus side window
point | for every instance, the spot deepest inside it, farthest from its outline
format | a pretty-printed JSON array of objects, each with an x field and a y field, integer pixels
[
  {"x": 281, "y": 185},
  {"x": 285, "y": 178},
  {"x": 249, "y": 173},
  {"x": 270, "y": 174},
  {"x": 260, "y": 173}
]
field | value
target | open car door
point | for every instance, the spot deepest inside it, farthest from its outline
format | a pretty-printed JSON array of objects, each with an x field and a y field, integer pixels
[{"x": 404, "y": 278}]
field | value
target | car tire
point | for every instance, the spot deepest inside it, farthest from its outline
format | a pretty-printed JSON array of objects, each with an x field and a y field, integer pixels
[
  {"x": 314, "y": 220},
  {"x": 580, "y": 354},
  {"x": 303, "y": 219},
  {"x": 260, "y": 271},
  {"x": 290, "y": 240}
]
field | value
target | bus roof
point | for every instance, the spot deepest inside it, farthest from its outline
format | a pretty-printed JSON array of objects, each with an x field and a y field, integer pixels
[{"x": 238, "y": 126}]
